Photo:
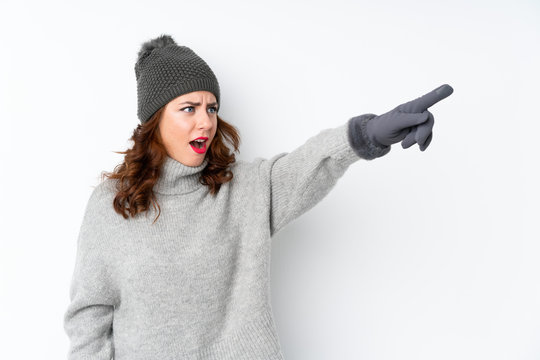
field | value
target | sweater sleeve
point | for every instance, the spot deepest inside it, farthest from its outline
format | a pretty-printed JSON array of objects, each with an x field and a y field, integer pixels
[
  {"x": 300, "y": 179},
  {"x": 88, "y": 319}
]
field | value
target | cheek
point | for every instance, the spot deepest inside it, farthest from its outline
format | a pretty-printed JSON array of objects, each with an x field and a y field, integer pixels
[{"x": 178, "y": 131}]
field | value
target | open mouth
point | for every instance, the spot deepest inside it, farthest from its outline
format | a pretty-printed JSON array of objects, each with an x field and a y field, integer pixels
[{"x": 198, "y": 144}]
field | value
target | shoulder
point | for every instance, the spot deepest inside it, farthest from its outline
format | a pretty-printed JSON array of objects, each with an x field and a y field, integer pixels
[
  {"x": 255, "y": 173},
  {"x": 240, "y": 166},
  {"x": 102, "y": 195},
  {"x": 247, "y": 171},
  {"x": 262, "y": 166},
  {"x": 99, "y": 212}
]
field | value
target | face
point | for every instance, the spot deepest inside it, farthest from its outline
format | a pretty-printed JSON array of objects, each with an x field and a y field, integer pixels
[{"x": 186, "y": 118}]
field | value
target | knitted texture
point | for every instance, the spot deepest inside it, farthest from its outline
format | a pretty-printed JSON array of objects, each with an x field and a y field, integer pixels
[
  {"x": 196, "y": 284},
  {"x": 165, "y": 70}
]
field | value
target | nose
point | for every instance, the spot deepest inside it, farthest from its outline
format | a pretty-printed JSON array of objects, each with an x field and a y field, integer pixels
[{"x": 204, "y": 121}]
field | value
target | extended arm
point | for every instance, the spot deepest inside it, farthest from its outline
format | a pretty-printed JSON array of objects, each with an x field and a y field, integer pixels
[{"x": 300, "y": 179}]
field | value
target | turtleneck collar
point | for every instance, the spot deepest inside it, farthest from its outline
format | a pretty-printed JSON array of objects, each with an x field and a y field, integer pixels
[{"x": 177, "y": 178}]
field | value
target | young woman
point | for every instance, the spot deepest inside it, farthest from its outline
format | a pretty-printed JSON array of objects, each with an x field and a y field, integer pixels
[{"x": 192, "y": 282}]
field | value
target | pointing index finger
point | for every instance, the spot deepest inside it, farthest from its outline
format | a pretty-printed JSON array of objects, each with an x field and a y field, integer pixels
[{"x": 422, "y": 103}]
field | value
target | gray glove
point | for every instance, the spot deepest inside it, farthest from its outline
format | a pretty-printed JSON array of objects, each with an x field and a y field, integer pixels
[{"x": 410, "y": 122}]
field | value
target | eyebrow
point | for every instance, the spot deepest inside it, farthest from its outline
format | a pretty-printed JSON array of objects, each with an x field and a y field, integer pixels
[{"x": 196, "y": 103}]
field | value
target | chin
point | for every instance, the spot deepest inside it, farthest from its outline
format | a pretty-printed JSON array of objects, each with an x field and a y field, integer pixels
[{"x": 198, "y": 162}]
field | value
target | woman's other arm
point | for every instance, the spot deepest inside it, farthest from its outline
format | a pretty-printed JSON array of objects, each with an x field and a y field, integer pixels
[{"x": 89, "y": 317}]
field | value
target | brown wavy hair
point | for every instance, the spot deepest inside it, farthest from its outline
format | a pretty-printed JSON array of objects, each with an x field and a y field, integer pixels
[{"x": 141, "y": 167}]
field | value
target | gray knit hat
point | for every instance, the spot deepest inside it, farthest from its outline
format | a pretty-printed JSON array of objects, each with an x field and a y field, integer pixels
[{"x": 165, "y": 70}]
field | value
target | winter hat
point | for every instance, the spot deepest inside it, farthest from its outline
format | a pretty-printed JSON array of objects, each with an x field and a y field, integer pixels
[{"x": 165, "y": 70}]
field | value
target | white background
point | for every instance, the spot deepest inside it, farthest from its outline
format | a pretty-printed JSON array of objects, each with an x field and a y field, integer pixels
[{"x": 415, "y": 255}]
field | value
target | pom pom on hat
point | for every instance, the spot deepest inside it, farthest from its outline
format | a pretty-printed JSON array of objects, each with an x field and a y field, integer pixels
[{"x": 159, "y": 42}]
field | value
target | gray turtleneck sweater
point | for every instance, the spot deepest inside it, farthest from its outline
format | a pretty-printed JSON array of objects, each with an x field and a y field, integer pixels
[{"x": 196, "y": 284}]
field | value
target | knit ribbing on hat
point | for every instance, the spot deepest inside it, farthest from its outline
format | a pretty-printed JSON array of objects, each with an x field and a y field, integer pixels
[{"x": 165, "y": 70}]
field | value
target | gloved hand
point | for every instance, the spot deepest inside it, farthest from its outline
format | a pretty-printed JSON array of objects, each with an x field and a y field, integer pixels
[{"x": 410, "y": 122}]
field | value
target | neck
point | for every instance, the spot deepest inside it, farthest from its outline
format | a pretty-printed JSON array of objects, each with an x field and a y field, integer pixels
[{"x": 177, "y": 178}]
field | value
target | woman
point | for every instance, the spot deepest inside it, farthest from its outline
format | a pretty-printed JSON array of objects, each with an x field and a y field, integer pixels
[{"x": 193, "y": 282}]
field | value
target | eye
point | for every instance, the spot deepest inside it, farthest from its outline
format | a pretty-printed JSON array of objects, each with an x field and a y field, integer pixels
[{"x": 215, "y": 108}]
